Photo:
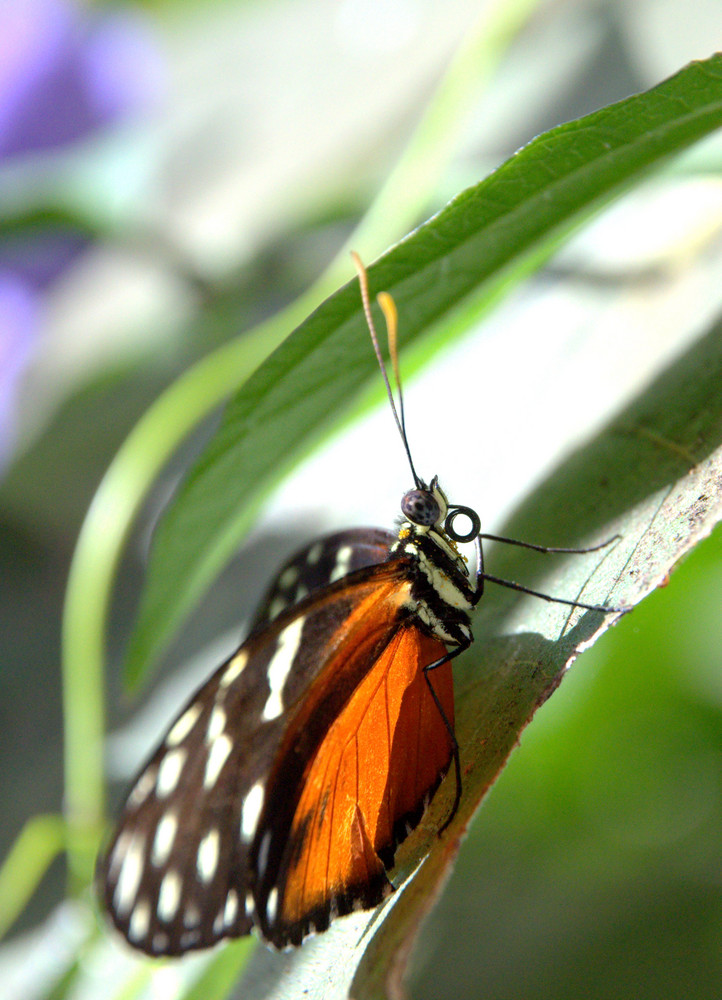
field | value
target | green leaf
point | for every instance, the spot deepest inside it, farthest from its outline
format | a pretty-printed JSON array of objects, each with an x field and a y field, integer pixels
[
  {"x": 656, "y": 472},
  {"x": 449, "y": 270}
]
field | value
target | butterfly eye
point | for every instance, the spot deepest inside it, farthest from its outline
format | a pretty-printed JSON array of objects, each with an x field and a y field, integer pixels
[
  {"x": 464, "y": 512},
  {"x": 420, "y": 507}
]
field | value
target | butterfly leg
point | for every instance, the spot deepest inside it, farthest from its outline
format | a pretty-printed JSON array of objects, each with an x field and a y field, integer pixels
[
  {"x": 606, "y": 609},
  {"x": 549, "y": 548},
  {"x": 450, "y": 729}
]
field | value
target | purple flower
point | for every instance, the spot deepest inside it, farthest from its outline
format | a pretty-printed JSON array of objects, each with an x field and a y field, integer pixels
[{"x": 66, "y": 72}]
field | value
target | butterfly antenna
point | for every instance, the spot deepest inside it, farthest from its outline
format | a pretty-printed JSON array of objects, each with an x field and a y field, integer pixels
[{"x": 388, "y": 307}]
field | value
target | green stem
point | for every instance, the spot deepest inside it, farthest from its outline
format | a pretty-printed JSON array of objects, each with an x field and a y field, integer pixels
[{"x": 38, "y": 844}]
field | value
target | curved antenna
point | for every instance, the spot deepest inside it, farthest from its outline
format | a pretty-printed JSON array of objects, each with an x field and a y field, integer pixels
[{"x": 388, "y": 307}]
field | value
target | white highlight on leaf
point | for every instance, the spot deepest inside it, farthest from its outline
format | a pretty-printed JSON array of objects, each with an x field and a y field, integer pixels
[
  {"x": 217, "y": 757},
  {"x": 234, "y": 669},
  {"x": 280, "y": 666},
  {"x": 207, "y": 860},
  {"x": 216, "y": 723},
  {"x": 131, "y": 869},
  {"x": 169, "y": 896},
  {"x": 163, "y": 840},
  {"x": 169, "y": 772},
  {"x": 250, "y": 812},
  {"x": 343, "y": 563},
  {"x": 231, "y": 910},
  {"x": 182, "y": 726},
  {"x": 139, "y": 921}
]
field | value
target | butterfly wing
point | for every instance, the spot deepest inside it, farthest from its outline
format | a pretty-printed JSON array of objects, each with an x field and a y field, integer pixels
[
  {"x": 362, "y": 788},
  {"x": 180, "y": 872},
  {"x": 320, "y": 563}
]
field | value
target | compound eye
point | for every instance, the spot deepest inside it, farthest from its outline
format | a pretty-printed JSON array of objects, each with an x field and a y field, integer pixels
[{"x": 421, "y": 507}]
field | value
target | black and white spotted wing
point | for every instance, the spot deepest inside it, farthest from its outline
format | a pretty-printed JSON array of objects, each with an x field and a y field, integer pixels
[
  {"x": 324, "y": 561},
  {"x": 176, "y": 874}
]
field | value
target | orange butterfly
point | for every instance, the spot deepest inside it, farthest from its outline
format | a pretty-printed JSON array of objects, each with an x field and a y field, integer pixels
[{"x": 279, "y": 795}]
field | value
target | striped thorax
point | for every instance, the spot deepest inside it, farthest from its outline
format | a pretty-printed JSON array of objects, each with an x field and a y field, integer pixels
[{"x": 442, "y": 593}]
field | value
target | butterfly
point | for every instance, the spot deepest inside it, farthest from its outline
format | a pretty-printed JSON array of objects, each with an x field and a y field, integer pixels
[{"x": 279, "y": 795}]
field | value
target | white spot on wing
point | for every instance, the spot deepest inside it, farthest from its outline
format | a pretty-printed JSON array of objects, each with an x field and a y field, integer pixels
[
  {"x": 288, "y": 577},
  {"x": 231, "y": 909},
  {"x": 139, "y": 921},
  {"x": 142, "y": 788},
  {"x": 278, "y": 604},
  {"x": 207, "y": 860},
  {"x": 343, "y": 562},
  {"x": 280, "y": 666},
  {"x": 314, "y": 554},
  {"x": 272, "y": 905},
  {"x": 118, "y": 853},
  {"x": 183, "y": 725},
  {"x": 216, "y": 759},
  {"x": 169, "y": 771},
  {"x": 131, "y": 869},
  {"x": 191, "y": 916},
  {"x": 251, "y": 810},
  {"x": 216, "y": 723},
  {"x": 234, "y": 669},
  {"x": 163, "y": 840},
  {"x": 169, "y": 896}
]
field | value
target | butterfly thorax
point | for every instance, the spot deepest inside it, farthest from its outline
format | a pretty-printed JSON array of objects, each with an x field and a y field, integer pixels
[{"x": 441, "y": 594}]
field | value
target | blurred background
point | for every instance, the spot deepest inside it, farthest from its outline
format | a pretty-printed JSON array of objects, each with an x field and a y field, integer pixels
[{"x": 172, "y": 173}]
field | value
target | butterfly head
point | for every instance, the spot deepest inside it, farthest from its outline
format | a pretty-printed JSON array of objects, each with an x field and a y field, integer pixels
[
  {"x": 427, "y": 509},
  {"x": 425, "y": 506}
]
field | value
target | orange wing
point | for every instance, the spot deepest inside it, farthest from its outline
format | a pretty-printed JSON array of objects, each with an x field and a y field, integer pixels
[{"x": 365, "y": 788}]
